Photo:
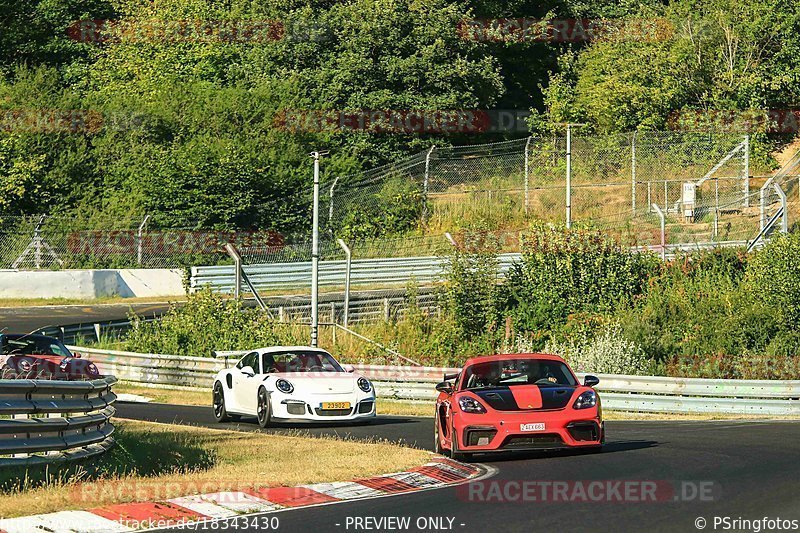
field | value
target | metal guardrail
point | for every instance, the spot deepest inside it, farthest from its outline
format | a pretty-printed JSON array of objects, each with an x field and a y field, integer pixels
[
  {"x": 380, "y": 272},
  {"x": 48, "y": 421},
  {"x": 619, "y": 392}
]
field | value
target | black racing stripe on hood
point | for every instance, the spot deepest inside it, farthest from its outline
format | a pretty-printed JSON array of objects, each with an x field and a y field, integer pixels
[{"x": 502, "y": 399}]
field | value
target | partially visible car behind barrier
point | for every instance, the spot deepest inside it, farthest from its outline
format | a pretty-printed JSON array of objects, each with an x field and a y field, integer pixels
[
  {"x": 48, "y": 421},
  {"x": 624, "y": 393}
]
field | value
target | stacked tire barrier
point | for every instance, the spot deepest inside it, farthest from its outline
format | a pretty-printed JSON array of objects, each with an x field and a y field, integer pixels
[
  {"x": 49, "y": 421},
  {"x": 654, "y": 394}
]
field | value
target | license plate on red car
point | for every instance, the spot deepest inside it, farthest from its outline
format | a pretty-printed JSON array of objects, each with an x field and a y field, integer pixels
[{"x": 538, "y": 426}]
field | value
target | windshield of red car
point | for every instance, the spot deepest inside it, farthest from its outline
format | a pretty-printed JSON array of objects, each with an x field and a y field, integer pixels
[
  {"x": 512, "y": 372},
  {"x": 32, "y": 346},
  {"x": 297, "y": 361}
]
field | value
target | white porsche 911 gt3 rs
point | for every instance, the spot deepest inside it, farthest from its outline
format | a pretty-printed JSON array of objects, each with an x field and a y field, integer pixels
[{"x": 288, "y": 383}]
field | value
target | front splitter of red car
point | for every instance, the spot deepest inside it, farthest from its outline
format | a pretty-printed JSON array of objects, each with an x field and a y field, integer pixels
[{"x": 527, "y": 430}]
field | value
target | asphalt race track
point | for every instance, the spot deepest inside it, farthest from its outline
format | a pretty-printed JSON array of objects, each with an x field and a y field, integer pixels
[
  {"x": 736, "y": 469},
  {"x": 27, "y": 319}
]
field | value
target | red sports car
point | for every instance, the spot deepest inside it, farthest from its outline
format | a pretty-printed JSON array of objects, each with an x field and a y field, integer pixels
[
  {"x": 30, "y": 356},
  {"x": 516, "y": 402}
]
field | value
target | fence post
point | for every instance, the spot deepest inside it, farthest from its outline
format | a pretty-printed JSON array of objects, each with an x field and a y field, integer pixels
[
  {"x": 330, "y": 204},
  {"x": 569, "y": 176},
  {"x": 37, "y": 249},
  {"x": 425, "y": 186},
  {"x": 237, "y": 266},
  {"x": 333, "y": 321},
  {"x": 666, "y": 192},
  {"x": 784, "y": 216},
  {"x": 663, "y": 231},
  {"x": 747, "y": 170},
  {"x": 762, "y": 204},
  {"x": 348, "y": 257},
  {"x": 386, "y": 310},
  {"x": 633, "y": 174},
  {"x": 527, "y": 168},
  {"x": 142, "y": 226}
]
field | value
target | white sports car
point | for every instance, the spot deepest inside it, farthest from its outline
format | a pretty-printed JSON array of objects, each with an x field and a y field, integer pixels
[{"x": 288, "y": 383}]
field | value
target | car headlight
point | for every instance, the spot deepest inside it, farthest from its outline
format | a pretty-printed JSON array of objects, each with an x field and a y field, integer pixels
[
  {"x": 364, "y": 384},
  {"x": 470, "y": 405},
  {"x": 586, "y": 400},
  {"x": 93, "y": 369},
  {"x": 284, "y": 386},
  {"x": 24, "y": 364}
]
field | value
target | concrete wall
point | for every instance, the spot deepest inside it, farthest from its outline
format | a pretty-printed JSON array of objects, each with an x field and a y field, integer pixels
[{"x": 90, "y": 284}]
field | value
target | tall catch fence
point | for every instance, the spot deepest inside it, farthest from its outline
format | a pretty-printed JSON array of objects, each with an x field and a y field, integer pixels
[{"x": 700, "y": 184}]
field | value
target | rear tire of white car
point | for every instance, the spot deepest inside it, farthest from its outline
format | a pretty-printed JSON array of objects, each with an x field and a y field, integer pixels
[
  {"x": 218, "y": 404},
  {"x": 263, "y": 409}
]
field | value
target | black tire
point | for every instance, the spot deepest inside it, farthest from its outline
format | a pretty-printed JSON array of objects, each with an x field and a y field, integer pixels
[
  {"x": 263, "y": 409},
  {"x": 218, "y": 404},
  {"x": 437, "y": 440}
]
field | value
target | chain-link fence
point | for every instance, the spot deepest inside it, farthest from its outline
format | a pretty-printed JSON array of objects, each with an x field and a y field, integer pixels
[
  {"x": 702, "y": 183},
  {"x": 506, "y": 185},
  {"x": 50, "y": 242}
]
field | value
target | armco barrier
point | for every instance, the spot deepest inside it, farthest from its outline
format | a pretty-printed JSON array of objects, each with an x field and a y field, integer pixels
[
  {"x": 48, "y": 421},
  {"x": 625, "y": 393},
  {"x": 378, "y": 272}
]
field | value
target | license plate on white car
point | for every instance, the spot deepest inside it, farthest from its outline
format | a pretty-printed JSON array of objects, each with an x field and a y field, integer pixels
[
  {"x": 539, "y": 426},
  {"x": 334, "y": 405}
]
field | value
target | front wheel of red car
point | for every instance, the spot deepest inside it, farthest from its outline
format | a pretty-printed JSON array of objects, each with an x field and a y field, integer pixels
[{"x": 437, "y": 439}]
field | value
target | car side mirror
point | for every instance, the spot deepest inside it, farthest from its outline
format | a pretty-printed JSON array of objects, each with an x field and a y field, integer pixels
[
  {"x": 590, "y": 381},
  {"x": 76, "y": 355},
  {"x": 349, "y": 368},
  {"x": 248, "y": 371},
  {"x": 445, "y": 386}
]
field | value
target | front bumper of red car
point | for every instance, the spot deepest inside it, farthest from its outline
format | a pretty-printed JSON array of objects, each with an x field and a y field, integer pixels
[{"x": 528, "y": 430}]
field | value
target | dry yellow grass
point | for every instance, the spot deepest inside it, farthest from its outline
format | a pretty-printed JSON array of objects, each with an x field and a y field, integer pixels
[{"x": 208, "y": 460}]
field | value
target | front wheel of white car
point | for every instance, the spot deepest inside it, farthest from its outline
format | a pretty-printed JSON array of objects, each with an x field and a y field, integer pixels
[
  {"x": 218, "y": 403},
  {"x": 263, "y": 410}
]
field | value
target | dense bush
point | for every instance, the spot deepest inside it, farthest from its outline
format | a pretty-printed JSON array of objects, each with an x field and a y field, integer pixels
[
  {"x": 773, "y": 279},
  {"x": 607, "y": 353},
  {"x": 564, "y": 272},
  {"x": 206, "y": 322}
]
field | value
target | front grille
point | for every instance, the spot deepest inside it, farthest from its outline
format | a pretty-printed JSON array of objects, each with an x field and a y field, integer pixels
[
  {"x": 333, "y": 412},
  {"x": 545, "y": 440},
  {"x": 479, "y": 436},
  {"x": 296, "y": 408},
  {"x": 365, "y": 407},
  {"x": 584, "y": 431}
]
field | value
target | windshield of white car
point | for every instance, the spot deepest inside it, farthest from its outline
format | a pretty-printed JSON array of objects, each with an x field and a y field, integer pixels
[
  {"x": 299, "y": 361},
  {"x": 513, "y": 372}
]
